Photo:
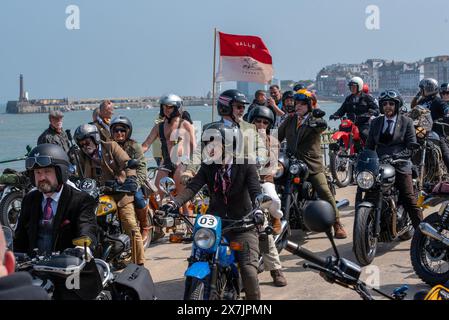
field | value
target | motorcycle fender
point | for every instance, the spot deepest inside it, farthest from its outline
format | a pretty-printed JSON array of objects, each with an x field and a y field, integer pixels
[
  {"x": 199, "y": 270},
  {"x": 365, "y": 204},
  {"x": 339, "y": 135}
]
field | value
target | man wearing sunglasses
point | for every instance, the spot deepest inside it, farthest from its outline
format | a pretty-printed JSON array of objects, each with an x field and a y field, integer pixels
[
  {"x": 107, "y": 161},
  {"x": 56, "y": 213},
  {"x": 439, "y": 110},
  {"x": 303, "y": 135},
  {"x": 359, "y": 107},
  {"x": 392, "y": 135},
  {"x": 262, "y": 117}
]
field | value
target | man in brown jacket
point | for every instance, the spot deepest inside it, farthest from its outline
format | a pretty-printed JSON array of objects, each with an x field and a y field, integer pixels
[
  {"x": 303, "y": 135},
  {"x": 105, "y": 161},
  {"x": 105, "y": 113}
]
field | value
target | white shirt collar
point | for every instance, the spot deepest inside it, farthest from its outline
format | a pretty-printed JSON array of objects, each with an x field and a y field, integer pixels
[{"x": 55, "y": 196}]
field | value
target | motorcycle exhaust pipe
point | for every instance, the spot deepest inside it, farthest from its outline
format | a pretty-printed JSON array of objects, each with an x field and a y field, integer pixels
[
  {"x": 431, "y": 232},
  {"x": 342, "y": 203}
]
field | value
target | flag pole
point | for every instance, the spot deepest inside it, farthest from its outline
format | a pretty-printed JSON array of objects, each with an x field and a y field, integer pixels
[{"x": 213, "y": 76}]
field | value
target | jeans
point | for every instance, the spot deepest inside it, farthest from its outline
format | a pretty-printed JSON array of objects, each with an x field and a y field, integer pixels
[{"x": 139, "y": 200}]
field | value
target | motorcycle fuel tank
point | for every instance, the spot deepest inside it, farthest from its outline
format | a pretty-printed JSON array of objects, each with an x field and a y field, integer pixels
[{"x": 388, "y": 174}]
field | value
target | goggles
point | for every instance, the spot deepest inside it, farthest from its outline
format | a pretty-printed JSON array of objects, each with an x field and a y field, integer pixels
[
  {"x": 389, "y": 94},
  {"x": 40, "y": 161}
]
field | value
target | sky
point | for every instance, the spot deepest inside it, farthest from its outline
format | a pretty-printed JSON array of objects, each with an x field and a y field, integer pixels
[{"x": 151, "y": 47}]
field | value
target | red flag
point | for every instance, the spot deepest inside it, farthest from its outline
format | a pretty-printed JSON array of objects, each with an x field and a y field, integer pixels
[{"x": 244, "y": 58}]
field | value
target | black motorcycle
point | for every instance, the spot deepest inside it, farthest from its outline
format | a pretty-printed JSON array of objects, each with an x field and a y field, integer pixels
[
  {"x": 14, "y": 186},
  {"x": 380, "y": 215},
  {"x": 429, "y": 250}
]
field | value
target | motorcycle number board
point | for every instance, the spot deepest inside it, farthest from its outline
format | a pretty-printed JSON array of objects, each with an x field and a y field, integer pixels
[{"x": 207, "y": 221}]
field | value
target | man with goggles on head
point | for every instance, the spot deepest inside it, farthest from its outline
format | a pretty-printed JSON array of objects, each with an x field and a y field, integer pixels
[
  {"x": 56, "y": 213},
  {"x": 107, "y": 161},
  {"x": 303, "y": 135},
  {"x": 392, "y": 135},
  {"x": 439, "y": 110},
  {"x": 359, "y": 107}
]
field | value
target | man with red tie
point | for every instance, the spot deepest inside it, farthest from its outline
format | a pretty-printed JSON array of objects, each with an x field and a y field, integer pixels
[{"x": 56, "y": 213}]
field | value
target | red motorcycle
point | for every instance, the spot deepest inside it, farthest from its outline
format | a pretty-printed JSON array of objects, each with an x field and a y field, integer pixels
[{"x": 344, "y": 152}]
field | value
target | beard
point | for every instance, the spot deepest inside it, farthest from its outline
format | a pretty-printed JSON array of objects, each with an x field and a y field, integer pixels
[{"x": 46, "y": 187}]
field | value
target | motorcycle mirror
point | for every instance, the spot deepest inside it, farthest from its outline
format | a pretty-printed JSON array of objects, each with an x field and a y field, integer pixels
[
  {"x": 263, "y": 201},
  {"x": 319, "y": 216},
  {"x": 28, "y": 149},
  {"x": 9, "y": 237},
  {"x": 318, "y": 113},
  {"x": 132, "y": 164},
  {"x": 82, "y": 241},
  {"x": 167, "y": 184}
]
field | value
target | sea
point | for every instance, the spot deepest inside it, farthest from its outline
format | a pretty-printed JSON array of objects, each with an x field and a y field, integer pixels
[{"x": 17, "y": 131}]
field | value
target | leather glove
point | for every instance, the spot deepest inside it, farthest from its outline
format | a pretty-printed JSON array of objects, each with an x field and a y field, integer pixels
[
  {"x": 130, "y": 184},
  {"x": 186, "y": 177},
  {"x": 333, "y": 117},
  {"x": 318, "y": 123},
  {"x": 259, "y": 217}
]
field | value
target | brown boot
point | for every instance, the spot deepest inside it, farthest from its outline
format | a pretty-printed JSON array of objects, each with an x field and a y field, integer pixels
[
  {"x": 339, "y": 232},
  {"x": 278, "y": 278},
  {"x": 276, "y": 222},
  {"x": 142, "y": 217}
]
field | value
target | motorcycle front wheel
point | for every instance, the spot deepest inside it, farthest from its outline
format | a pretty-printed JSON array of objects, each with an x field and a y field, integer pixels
[
  {"x": 195, "y": 289},
  {"x": 10, "y": 208},
  {"x": 430, "y": 258},
  {"x": 364, "y": 242},
  {"x": 341, "y": 168}
]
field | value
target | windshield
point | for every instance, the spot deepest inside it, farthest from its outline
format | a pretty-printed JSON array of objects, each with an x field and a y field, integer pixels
[{"x": 368, "y": 160}]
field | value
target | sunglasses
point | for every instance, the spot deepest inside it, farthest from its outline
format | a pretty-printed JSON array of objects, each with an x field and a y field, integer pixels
[
  {"x": 266, "y": 122},
  {"x": 40, "y": 161},
  {"x": 120, "y": 130},
  {"x": 389, "y": 94},
  {"x": 444, "y": 93},
  {"x": 84, "y": 144},
  {"x": 388, "y": 103}
]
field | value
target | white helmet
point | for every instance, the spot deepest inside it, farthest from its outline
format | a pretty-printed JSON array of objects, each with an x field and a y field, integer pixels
[{"x": 357, "y": 81}]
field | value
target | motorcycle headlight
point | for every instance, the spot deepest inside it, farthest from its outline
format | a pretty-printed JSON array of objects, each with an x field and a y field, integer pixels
[
  {"x": 204, "y": 238},
  {"x": 365, "y": 180},
  {"x": 279, "y": 170},
  {"x": 294, "y": 169}
]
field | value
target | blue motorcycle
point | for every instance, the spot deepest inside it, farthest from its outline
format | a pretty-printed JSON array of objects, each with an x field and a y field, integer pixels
[{"x": 213, "y": 272}]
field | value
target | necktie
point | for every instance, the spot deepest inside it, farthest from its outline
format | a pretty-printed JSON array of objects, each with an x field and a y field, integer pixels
[
  {"x": 299, "y": 123},
  {"x": 389, "y": 126},
  {"x": 48, "y": 210},
  {"x": 223, "y": 182}
]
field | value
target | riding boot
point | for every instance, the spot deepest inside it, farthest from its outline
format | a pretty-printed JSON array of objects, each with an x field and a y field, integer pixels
[
  {"x": 339, "y": 232},
  {"x": 143, "y": 222}
]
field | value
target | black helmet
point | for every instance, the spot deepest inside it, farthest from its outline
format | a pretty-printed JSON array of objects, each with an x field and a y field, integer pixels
[
  {"x": 319, "y": 216},
  {"x": 227, "y": 98},
  {"x": 298, "y": 86},
  {"x": 429, "y": 86},
  {"x": 48, "y": 155},
  {"x": 444, "y": 87},
  {"x": 87, "y": 131},
  {"x": 390, "y": 95},
  {"x": 219, "y": 130},
  {"x": 124, "y": 121},
  {"x": 261, "y": 112},
  {"x": 287, "y": 95}
]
